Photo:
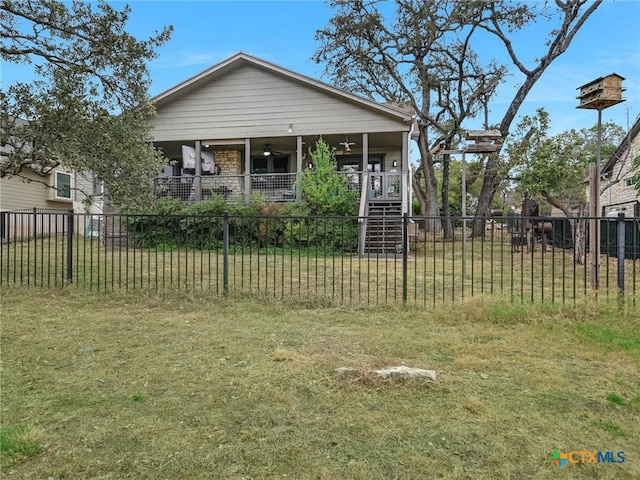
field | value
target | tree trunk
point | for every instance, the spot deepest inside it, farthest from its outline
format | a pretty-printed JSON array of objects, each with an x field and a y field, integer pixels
[
  {"x": 578, "y": 224},
  {"x": 428, "y": 197},
  {"x": 489, "y": 188},
  {"x": 446, "y": 209},
  {"x": 579, "y": 227}
]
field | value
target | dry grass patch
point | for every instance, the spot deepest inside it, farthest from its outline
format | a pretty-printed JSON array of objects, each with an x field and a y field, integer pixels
[
  {"x": 474, "y": 405},
  {"x": 284, "y": 355},
  {"x": 180, "y": 385}
]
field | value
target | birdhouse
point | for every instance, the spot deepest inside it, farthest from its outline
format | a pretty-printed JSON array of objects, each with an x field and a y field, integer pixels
[
  {"x": 601, "y": 92},
  {"x": 487, "y": 141}
]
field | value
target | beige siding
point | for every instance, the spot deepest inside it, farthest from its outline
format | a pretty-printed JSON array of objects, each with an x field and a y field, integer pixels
[
  {"x": 84, "y": 185},
  {"x": 618, "y": 193},
  {"x": 17, "y": 194},
  {"x": 85, "y": 199},
  {"x": 250, "y": 101}
]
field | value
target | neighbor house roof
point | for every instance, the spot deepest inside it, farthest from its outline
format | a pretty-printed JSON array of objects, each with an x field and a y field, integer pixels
[{"x": 635, "y": 129}]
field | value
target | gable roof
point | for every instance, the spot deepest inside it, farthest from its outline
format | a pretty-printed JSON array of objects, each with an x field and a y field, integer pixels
[
  {"x": 633, "y": 133},
  {"x": 242, "y": 58}
]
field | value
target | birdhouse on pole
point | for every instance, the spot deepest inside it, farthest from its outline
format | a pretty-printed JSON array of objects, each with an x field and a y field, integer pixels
[
  {"x": 601, "y": 93},
  {"x": 487, "y": 141}
]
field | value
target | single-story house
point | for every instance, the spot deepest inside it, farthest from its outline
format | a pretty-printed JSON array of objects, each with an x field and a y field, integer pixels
[
  {"x": 619, "y": 174},
  {"x": 251, "y": 123}
]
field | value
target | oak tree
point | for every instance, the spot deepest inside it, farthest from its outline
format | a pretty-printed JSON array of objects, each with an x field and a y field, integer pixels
[
  {"x": 426, "y": 55},
  {"x": 87, "y": 109},
  {"x": 554, "y": 168}
]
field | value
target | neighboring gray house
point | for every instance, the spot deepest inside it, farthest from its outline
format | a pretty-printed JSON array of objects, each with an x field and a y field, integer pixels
[
  {"x": 618, "y": 176},
  {"x": 252, "y": 123}
]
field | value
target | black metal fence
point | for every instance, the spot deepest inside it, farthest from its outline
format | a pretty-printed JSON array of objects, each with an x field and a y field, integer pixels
[{"x": 315, "y": 258}]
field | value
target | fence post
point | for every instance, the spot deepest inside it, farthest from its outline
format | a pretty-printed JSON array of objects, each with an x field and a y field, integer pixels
[
  {"x": 70, "y": 246},
  {"x": 225, "y": 253},
  {"x": 35, "y": 224},
  {"x": 621, "y": 253},
  {"x": 405, "y": 255}
]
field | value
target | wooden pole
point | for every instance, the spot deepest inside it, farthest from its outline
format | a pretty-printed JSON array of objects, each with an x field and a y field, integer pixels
[{"x": 593, "y": 227}]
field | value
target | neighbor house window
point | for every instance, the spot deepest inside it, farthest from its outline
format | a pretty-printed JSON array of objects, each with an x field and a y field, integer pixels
[
  {"x": 628, "y": 182},
  {"x": 63, "y": 186},
  {"x": 98, "y": 185}
]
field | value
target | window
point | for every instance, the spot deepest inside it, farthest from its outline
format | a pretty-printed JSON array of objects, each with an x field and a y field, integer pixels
[
  {"x": 63, "y": 186},
  {"x": 270, "y": 164},
  {"x": 354, "y": 162},
  {"x": 628, "y": 182},
  {"x": 259, "y": 165},
  {"x": 98, "y": 185},
  {"x": 280, "y": 164}
]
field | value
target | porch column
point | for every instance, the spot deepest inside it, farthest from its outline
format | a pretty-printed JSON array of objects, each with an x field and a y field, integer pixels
[
  {"x": 365, "y": 152},
  {"x": 247, "y": 168},
  {"x": 298, "y": 166},
  {"x": 405, "y": 192},
  {"x": 197, "y": 185},
  {"x": 153, "y": 180}
]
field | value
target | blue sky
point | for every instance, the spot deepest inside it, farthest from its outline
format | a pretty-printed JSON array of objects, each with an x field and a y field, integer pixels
[{"x": 282, "y": 32}]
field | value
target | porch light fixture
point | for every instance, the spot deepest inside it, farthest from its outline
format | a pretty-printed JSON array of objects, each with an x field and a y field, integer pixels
[
  {"x": 266, "y": 152},
  {"x": 290, "y": 127},
  {"x": 395, "y": 164}
]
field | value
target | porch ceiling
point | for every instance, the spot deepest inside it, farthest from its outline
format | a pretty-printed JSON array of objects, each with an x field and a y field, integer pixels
[{"x": 287, "y": 144}]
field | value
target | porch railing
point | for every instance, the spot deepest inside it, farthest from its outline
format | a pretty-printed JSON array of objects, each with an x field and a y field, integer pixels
[
  {"x": 385, "y": 186},
  {"x": 275, "y": 187}
]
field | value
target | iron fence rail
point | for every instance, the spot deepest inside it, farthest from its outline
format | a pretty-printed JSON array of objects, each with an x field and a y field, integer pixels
[{"x": 311, "y": 258}]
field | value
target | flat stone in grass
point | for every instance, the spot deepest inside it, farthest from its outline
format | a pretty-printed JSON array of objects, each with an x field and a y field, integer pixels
[{"x": 399, "y": 372}]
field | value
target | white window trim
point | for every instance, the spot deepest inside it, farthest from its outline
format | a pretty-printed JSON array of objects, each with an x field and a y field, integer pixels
[{"x": 53, "y": 191}]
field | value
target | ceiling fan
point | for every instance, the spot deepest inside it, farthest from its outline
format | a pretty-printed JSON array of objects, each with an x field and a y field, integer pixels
[
  {"x": 347, "y": 145},
  {"x": 266, "y": 151}
]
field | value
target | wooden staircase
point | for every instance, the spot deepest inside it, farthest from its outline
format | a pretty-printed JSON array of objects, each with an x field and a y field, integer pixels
[{"x": 384, "y": 228}]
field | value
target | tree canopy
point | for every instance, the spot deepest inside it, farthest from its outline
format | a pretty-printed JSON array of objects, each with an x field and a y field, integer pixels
[
  {"x": 88, "y": 109},
  {"x": 554, "y": 168},
  {"x": 427, "y": 55}
]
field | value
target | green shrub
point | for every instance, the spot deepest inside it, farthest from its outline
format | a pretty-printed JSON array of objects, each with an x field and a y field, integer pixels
[
  {"x": 255, "y": 223},
  {"x": 325, "y": 190}
]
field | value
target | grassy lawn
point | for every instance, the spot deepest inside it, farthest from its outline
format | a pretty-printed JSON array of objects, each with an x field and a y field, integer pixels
[
  {"x": 435, "y": 272},
  {"x": 185, "y": 385}
]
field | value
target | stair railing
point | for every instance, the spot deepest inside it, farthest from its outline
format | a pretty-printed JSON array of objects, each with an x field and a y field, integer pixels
[
  {"x": 406, "y": 199},
  {"x": 363, "y": 212}
]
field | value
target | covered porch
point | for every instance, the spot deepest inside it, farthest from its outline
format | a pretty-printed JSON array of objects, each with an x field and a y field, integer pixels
[{"x": 270, "y": 166}]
